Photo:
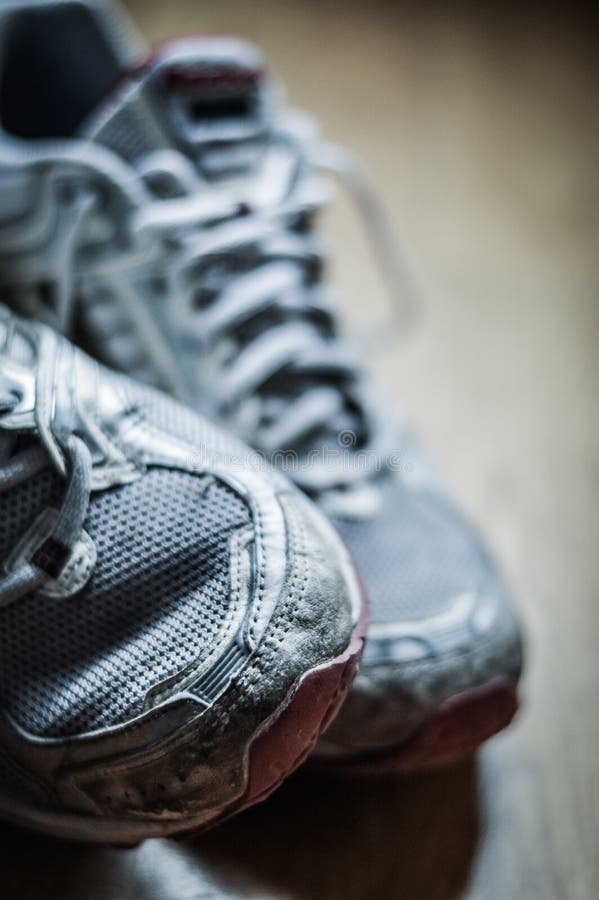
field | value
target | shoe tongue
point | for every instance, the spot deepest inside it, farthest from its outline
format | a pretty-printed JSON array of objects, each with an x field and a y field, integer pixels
[
  {"x": 191, "y": 93},
  {"x": 128, "y": 121},
  {"x": 209, "y": 98}
]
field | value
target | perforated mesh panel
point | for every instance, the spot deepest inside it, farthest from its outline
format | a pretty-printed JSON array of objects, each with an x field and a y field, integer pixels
[
  {"x": 153, "y": 605},
  {"x": 415, "y": 556},
  {"x": 180, "y": 422}
]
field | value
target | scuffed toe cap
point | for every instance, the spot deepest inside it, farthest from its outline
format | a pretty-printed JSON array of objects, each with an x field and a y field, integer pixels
[
  {"x": 442, "y": 623},
  {"x": 410, "y": 669},
  {"x": 203, "y": 767}
]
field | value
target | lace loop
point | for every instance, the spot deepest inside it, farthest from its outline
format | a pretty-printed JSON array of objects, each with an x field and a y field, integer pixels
[
  {"x": 29, "y": 576},
  {"x": 340, "y": 162}
]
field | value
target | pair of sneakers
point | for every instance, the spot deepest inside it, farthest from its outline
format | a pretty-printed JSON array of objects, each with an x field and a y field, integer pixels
[{"x": 180, "y": 624}]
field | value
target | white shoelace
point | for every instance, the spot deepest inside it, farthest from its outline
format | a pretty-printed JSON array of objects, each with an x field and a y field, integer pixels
[
  {"x": 25, "y": 464},
  {"x": 239, "y": 258},
  {"x": 253, "y": 263}
]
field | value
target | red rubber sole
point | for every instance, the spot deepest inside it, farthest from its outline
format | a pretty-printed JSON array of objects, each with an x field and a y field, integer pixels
[
  {"x": 453, "y": 733},
  {"x": 288, "y": 740}
]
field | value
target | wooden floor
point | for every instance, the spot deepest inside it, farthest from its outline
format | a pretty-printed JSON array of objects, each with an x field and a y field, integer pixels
[{"x": 482, "y": 133}]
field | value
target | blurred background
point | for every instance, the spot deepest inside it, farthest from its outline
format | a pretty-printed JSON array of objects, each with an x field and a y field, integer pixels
[{"x": 480, "y": 129}]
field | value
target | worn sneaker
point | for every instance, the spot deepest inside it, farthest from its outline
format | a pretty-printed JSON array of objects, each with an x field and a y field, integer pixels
[
  {"x": 170, "y": 228},
  {"x": 177, "y": 626}
]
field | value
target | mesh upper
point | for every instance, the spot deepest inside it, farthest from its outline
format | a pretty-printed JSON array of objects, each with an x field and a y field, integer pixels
[
  {"x": 153, "y": 605},
  {"x": 415, "y": 556},
  {"x": 179, "y": 421}
]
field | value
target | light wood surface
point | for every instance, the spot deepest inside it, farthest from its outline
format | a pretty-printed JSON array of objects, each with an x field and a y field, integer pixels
[{"x": 482, "y": 133}]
